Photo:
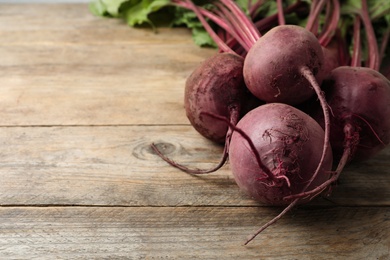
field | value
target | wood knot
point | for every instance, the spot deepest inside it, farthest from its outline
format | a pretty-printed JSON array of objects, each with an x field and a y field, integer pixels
[
  {"x": 144, "y": 151},
  {"x": 165, "y": 148}
]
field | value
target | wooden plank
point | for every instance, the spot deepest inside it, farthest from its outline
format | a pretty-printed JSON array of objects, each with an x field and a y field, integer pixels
[
  {"x": 91, "y": 71},
  {"x": 73, "y": 24},
  {"x": 88, "y": 90},
  {"x": 115, "y": 166},
  {"x": 192, "y": 233},
  {"x": 95, "y": 85}
]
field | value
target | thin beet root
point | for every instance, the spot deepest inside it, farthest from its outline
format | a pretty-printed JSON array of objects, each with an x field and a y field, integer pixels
[
  {"x": 216, "y": 86},
  {"x": 193, "y": 170}
]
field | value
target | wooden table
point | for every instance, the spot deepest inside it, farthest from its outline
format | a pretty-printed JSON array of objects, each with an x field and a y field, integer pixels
[{"x": 82, "y": 99}]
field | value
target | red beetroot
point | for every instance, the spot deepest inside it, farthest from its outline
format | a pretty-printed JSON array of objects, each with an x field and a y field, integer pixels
[
  {"x": 216, "y": 86},
  {"x": 289, "y": 143},
  {"x": 359, "y": 99},
  {"x": 273, "y": 66},
  {"x": 275, "y": 157}
]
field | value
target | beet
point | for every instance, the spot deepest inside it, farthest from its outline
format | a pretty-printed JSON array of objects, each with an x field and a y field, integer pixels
[
  {"x": 273, "y": 66},
  {"x": 359, "y": 99},
  {"x": 216, "y": 86},
  {"x": 276, "y": 157},
  {"x": 289, "y": 143}
]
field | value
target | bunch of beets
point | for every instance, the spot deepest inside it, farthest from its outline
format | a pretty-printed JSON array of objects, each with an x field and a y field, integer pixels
[{"x": 292, "y": 105}]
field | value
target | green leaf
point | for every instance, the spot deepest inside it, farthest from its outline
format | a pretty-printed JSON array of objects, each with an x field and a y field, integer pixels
[
  {"x": 98, "y": 8},
  {"x": 187, "y": 18},
  {"x": 106, "y": 7},
  {"x": 113, "y": 6},
  {"x": 137, "y": 12},
  {"x": 378, "y": 9},
  {"x": 202, "y": 38}
]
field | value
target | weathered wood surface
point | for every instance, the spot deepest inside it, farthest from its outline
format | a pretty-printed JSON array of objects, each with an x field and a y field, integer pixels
[
  {"x": 82, "y": 98},
  {"x": 191, "y": 233}
]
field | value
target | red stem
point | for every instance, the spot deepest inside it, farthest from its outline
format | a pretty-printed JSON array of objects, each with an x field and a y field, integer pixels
[
  {"x": 344, "y": 56},
  {"x": 356, "y": 53},
  {"x": 328, "y": 15},
  {"x": 204, "y": 12},
  {"x": 195, "y": 171},
  {"x": 247, "y": 24},
  {"x": 235, "y": 26},
  {"x": 222, "y": 45},
  {"x": 254, "y": 7},
  {"x": 281, "y": 19},
  {"x": 271, "y": 222},
  {"x": 331, "y": 27},
  {"x": 306, "y": 72},
  {"x": 312, "y": 24},
  {"x": 225, "y": 19},
  {"x": 266, "y": 22},
  {"x": 373, "y": 61},
  {"x": 384, "y": 44},
  {"x": 234, "y": 117}
]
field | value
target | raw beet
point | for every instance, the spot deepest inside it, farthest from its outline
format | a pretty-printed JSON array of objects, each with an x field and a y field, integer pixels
[
  {"x": 273, "y": 66},
  {"x": 359, "y": 99},
  {"x": 216, "y": 86},
  {"x": 289, "y": 143}
]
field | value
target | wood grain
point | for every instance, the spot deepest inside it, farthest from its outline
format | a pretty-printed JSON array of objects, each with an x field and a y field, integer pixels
[
  {"x": 103, "y": 76},
  {"x": 192, "y": 233},
  {"x": 116, "y": 166},
  {"x": 82, "y": 99}
]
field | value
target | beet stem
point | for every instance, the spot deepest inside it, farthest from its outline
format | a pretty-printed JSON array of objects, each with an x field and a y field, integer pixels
[
  {"x": 314, "y": 16},
  {"x": 373, "y": 56},
  {"x": 306, "y": 72},
  {"x": 270, "y": 175},
  {"x": 281, "y": 19},
  {"x": 234, "y": 113},
  {"x": 235, "y": 27},
  {"x": 384, "y": 44},
  {"x": 208, "y": 28},
  {"x": 266, "y": 22},
  {"x": 189, "y": 170},
  {"x": 247, "y": 23},
  {"x": 356, "y": 53},
  {"x": 271, "y": 222},
  {"x": 331, "y": 28},
  {"x": 252, "y": 7}
]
